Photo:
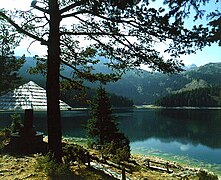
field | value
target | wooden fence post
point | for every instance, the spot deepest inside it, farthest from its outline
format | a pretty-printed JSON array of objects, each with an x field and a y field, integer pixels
[
  {"x": 167, "y": 167},
  {"x": 88, "y": 159},
  {"x": 148, "y": 163},
  {"x": 123, "y": 173}
]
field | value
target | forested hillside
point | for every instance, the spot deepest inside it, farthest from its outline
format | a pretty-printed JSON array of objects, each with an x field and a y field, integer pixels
[
  {"x": 203, "y": 91},
  {"x": 202, "y": 97},
  {"x": 145, "y": 87},
  {"x": 72, "y": 97},
  {"x": 75, "y": 99}
]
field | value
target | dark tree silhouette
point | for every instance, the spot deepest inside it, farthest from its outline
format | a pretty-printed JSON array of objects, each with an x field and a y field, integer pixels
[
  {"x": 9, "y": 64},
  {"x": 102, "y": 125}
]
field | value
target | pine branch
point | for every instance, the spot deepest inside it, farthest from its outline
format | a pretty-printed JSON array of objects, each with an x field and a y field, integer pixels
[
  {"x": 41, "y": 9},
  {"x": 21, "y": 30},
  {"x": 79, "y": 3}
]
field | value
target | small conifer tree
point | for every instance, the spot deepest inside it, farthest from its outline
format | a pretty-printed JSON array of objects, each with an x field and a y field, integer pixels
[{"x": 102, "y": 125}]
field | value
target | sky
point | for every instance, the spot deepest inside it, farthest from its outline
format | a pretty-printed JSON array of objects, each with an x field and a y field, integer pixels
[{"x": 207, "y": 55}]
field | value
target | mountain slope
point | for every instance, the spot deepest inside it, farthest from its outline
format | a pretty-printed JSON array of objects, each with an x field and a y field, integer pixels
[
  {"x": 210, "y": 73},
  {"x": 144, "y": 87},
  {"x": 148, "y": 87},
  {"x": 193, "y": 85}
]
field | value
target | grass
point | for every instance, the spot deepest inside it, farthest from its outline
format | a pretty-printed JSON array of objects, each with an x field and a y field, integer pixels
[{"x": 43, "y": 167}]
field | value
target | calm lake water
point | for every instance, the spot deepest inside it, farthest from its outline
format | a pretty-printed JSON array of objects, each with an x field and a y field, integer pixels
[{"x": 189, "y": 136}]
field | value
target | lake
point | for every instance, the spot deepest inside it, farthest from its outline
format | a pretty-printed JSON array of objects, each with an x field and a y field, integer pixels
[{"x": 188, "y": 136}]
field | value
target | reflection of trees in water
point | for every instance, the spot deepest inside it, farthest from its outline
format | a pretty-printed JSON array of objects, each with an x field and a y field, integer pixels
[
  {"x": 185, "y": 126},
  {"x": 72, "y": 123}
]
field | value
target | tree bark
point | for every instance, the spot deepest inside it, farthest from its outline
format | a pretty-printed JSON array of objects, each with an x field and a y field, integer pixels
[{"x": 52, "y": 84}]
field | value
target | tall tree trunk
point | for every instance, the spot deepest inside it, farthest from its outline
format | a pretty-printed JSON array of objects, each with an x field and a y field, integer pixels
[{"x": 52, "y": 84}]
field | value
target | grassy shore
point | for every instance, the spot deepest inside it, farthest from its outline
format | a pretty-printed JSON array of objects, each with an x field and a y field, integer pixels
[
  {"x": 24, "y": 167},
  {"x": 37, "y": 166},
  {"x": 180, "y": 170}
]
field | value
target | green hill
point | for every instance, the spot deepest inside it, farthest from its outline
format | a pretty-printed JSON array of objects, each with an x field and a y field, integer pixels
[
  {"x": 145, "y": 87},
  {"x": 200, "y": 97}
]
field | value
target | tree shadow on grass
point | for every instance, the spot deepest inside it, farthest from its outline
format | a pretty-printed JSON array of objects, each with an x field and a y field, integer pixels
[{"x": 91, "y": 173}]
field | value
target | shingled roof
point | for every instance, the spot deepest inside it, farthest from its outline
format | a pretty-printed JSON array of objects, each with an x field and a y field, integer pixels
[{"x": 27, "y": 96}]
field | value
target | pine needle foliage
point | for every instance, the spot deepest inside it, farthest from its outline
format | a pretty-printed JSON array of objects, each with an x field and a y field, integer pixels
[
  {"x": 102, "y": 124},
  {"x": 102, "y": 127},
  {"x": 9, "y": 64}
]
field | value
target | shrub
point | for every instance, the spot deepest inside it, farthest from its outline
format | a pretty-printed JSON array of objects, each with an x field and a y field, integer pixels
[
  {"x": 4, "y": 138},
  {"x": 91, "y": 143},
  {"x": 116, "y": 153},
  {"x": 204, "y": 175},
  {"x": 122, "y": 154},
  {"x": 50, "y": 167},
  {"x": 1, "y": 147},
  {"x": 7, "y": 132},
  {"x": 74, "y": 152},
  {"x": 16, "y": 125}
]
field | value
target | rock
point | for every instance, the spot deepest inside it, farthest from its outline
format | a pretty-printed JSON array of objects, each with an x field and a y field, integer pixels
[
  {"x": 21, "y": 170},
  {"x": 15, "y": 167},
  {"x": 4, "y": 170},
  {"x": 30, "y": 175}
]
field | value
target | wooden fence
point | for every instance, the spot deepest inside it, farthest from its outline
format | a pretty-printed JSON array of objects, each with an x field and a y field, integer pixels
[
  {"x": 152, "y": 165},
  {"x": 147, "y": 163},
  {"x": 110, "y": 163}
]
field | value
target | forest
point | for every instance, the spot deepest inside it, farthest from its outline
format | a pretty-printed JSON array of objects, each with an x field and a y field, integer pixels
[{"x": 202, "y": 97}]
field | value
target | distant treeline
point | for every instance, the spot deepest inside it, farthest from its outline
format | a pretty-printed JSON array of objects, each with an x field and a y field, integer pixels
[
  {"x": 75, "y": 99},
  {"x": 203, "y": 97}
]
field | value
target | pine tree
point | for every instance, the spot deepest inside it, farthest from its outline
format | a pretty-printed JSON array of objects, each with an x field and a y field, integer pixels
[
  {"x": 9, "y": 64},
  {"x": 102, "y": 126}
]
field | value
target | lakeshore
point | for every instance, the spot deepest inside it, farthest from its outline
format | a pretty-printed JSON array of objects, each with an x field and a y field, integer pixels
[
  {"x": 23, "y": 167},
  {"x": 151, "y": 106},
  {"x": 179, "y": 168},
  {"x": 186, "y": 163}
]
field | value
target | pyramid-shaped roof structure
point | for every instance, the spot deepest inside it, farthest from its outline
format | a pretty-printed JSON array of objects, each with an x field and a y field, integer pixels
[{"x": 27, "y": 96}]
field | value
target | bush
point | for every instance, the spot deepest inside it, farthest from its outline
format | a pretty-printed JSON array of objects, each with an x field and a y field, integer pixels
[
  {"x": 116, "y": 153},
  {"x": 4, "y": 134},
  {"x": 74, "y": 152},
  {"x": 16, "y": 125},
  {"x": 91, "y": 143},
  {"x": 204, "y": 175},
  {"x": 7, "y": 132},
  {"x": 1, "y": 147},
  {"x": 4, "y": 138},
  {"x": 122, "y": 154},
  {"x": 50, "y": 167}
]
